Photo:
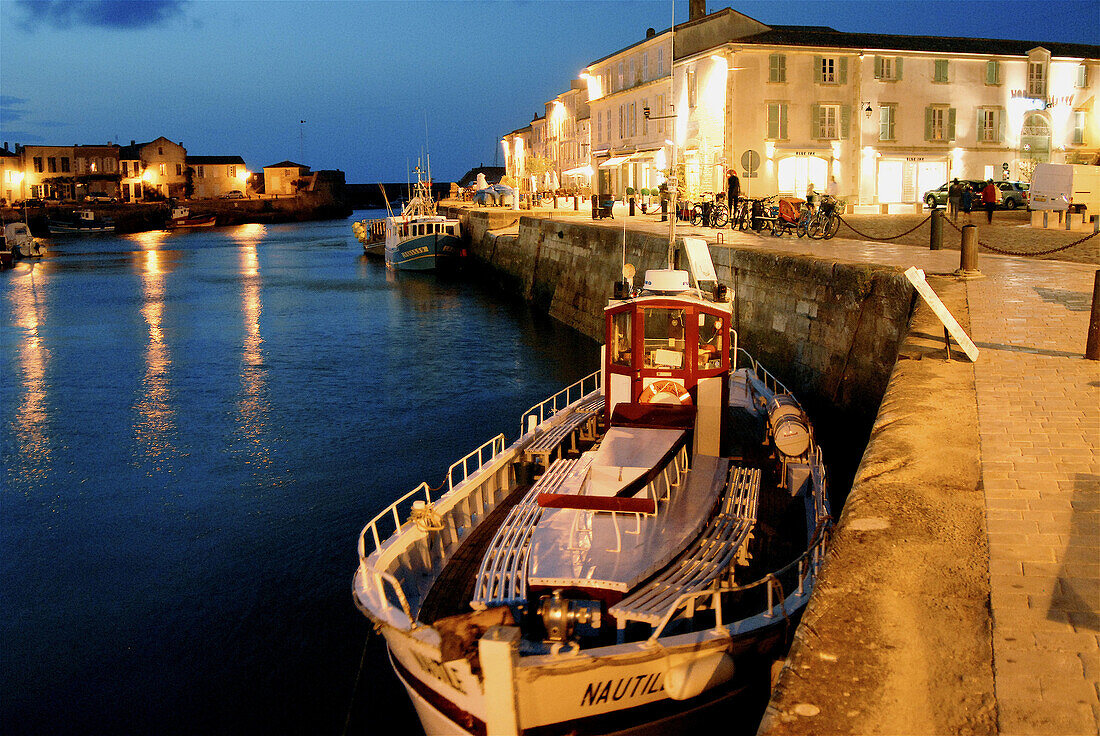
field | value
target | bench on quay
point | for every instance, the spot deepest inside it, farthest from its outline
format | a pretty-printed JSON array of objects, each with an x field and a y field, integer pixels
[
  {"x": 502, "y": 578},
  {"x": 706, "y": 560},
  {"x": 581, "y": 421}
]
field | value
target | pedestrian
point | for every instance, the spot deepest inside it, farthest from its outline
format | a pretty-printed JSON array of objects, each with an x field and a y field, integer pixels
[
  {"x": 832, "y": 188},
  {"x": 954, "y": 199},
  {"x": 989, "y": 198},
  {"x": 966, "y": 200},
  {"x": 811, "y": 195},
  {"x": 733, "y": 192}
]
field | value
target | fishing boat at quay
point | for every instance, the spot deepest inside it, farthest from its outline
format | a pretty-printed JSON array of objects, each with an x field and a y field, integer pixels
[
  {"x": 418, "y": 239},
  {"x": 640, "y": 555},
  {"x": 20, "y": 243},
  {"x": 82, "y": 221},
  {"x": 181, "y": 218}
]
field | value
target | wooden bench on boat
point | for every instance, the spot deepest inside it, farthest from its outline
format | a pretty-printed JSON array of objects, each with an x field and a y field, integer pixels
[
  {"x": 582, "y": 421},
  {"x": 706, "y": 560},
  {"x": 502, "y": 577}
]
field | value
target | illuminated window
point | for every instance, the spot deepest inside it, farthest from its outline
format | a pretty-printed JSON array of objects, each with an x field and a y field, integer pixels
[
  {"x": 777, "y": 120},
  {"x": 163, "y": 169},
  {"x": 939, "y": 124},
  {"x": 710, "y": 341},
  {"x": 664, "y": 338},
  {"x": 941, "y": 71},
  {"x": 827, "y": 70},
  {"x": 622, "y": 340},
  {"x": 1079, "y": 127},
  {"x": 200, "y": 172},
  {"x": 827, "y": 121},
  {"x": 887, "y": 67},
  {"x": 993, "y": 72},
  {"x": 777, "y": 68},
  {"x": 1082, "y": 79},
  {"x": 988, "y": 126},
  {"x": 1036, "y": 79},
  {"x": 887, "y": 116}
]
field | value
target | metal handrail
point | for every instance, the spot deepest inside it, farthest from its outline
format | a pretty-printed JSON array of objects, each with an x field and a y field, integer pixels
[
  {"x": 811, "y": 555},
  {"x": 770, "y": 381},
  {"x": 372, "y": 525},
  {"x": 497, "y": 447},
  {"x": 539, "y": 410}
]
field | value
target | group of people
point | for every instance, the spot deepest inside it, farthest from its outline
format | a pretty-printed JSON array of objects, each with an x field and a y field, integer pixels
[
  {"x": 733, "y": 190},
  {"x": 960, "y": 196}
]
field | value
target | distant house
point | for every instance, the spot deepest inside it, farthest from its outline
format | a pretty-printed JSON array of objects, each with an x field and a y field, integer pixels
[
  {"x": 158, "y": 166},
  {"x": 280, "y": 178},
  {"x": 213, "y": 176},
  {"x": 96, "y": 169},
  {"x": 11, "y": 176},
  {"x": 48, "y": 171},
  {"x": 493, "y": 175}
]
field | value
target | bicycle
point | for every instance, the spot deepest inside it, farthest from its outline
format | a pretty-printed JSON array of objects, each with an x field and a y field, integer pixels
[
  {"x": 825, "y": 222},
  {"x": 742, "y": 216}
]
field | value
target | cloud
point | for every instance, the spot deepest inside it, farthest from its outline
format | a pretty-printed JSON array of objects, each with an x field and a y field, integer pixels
[
  {"x": 125, "y": 14},
  {"x": 9, "y": 111}
]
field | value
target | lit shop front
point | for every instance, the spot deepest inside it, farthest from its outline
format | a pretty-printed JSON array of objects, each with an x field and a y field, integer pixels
[{"x": 905, "y": 179}]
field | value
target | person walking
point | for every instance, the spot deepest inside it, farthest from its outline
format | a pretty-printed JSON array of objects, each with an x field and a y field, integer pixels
[
  {"x": 989, "y": 198},
  {"x": 966, "y": 199},
  {"x": 733, "y": 193},
  {"x": 832, "y": 188},
  {"x": 811, "y": 196},
  {"x": 954, "y": 199}
]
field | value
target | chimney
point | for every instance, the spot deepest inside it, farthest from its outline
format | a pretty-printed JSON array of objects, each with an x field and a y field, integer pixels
[
  {"x": 696, "y": 9},
  {"x": 133, "y": 142},
  {"x": 650, "y": 33}
]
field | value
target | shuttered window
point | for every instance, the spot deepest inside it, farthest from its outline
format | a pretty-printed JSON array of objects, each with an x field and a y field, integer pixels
[
  {"x": 886, "y": 121},
  {"x": 777, "y": 121},
  {"x": 939, "y": 123},
  {"x": 993, "y": 72},
  {"x": 777, "y": 68},
  {"x": 941, "y": 70}
]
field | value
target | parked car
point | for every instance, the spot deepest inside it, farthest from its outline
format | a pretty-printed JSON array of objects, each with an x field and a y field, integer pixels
[
  {"x": 1014, "y": 194},
  {"x": 235, "y": 194},
  {"x": 938, "y": 197},
  {"x": 99, "y": 197}
]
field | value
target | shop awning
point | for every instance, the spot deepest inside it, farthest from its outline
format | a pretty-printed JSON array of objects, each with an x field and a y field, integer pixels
[
  {"x": 646, "y": 155},
  {"x": 613, "y": 161},
  {"x": 579, "y": 171}
]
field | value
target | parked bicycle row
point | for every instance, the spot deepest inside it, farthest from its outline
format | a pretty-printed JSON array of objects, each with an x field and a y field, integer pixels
[{"x": 777, "y": 214}]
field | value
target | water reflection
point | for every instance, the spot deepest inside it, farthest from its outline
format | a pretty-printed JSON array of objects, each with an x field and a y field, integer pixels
[
  {"x": 252, "y": 405},
  {"x": 27, "y": 296},
  {"x": 249, "y": 234},
  {"x": 155, "y": 425}
]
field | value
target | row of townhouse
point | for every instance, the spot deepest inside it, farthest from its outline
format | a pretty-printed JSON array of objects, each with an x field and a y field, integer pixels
[
  {"x": 137, "y": 172},
  {"x": 889, "y": 117}
]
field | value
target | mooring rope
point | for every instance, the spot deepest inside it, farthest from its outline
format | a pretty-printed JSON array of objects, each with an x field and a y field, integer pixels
[
  {"x": 1032, "y": 253},
  {"x": 865, "y": 236},
  {"x": 355, "y": 687}
]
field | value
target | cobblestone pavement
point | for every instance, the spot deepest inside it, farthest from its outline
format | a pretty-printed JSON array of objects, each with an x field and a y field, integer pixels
[{"x": 1039, "y": 424}]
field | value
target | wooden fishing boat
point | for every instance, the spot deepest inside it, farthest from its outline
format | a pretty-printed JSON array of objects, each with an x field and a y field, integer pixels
[
  {"x": 181, "y": 218},
  {"x": 82, "y": 221}
]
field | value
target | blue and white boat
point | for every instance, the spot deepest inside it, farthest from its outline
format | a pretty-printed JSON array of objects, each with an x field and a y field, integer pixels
[{"x": 420, "y": 239}]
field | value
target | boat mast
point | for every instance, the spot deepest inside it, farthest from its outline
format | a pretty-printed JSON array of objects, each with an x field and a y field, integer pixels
[{"x": 674, "y": 178}]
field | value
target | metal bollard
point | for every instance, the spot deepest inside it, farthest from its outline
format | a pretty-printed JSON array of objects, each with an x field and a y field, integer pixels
[
  {"x": 595, "y": 206},
  {"x": 968, "y": 261},
  {"x": 576, "y": 204},
  {"x": 936, "y": 239},
  {"x": 1092, "y": 345}
]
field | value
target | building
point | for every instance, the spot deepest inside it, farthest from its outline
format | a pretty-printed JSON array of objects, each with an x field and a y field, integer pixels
[
  {"x": 283, "y": 178},
  {"x": 887, "y": 116},
  {"x": 96, "y": 170},
  {"x": 213, "y": 176},
  {"x": 48, "y": 171},
  {"x": 153, "y": 170},
  {"x": 11, "y": 176}
]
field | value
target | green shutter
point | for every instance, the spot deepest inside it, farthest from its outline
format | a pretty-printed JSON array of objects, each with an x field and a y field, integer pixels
[
  {"x": 782, "y": 68},
  {"x": 1082, "y": 75},
  {"x": 879, "y": 74},
  {"x": 773, "y": 68},
  {"x": 783, "y": 121},
  {"x": 845, "y": 120},
  {"x": 815, "y": 118},
  {"x": 927, "y": 123},
  {"x": 817, "y": 69},
  {"x": 951, "y": 124},
  {"x": 941, "y": 71},
  {"x": 992, "y": 72},
  {"x": 842, "y": 73},
  {"x": 981, "y": 118},
  {"x": 897, "y": 68},
  {"x": 773, "y": 120},
  {"x": 1000, "y": 125}
]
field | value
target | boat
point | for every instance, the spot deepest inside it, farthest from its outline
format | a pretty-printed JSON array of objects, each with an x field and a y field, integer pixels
[
  {"x": 82, "y": 221},
  {"x": 19, "y": 243},
  {"x": 638, "y": 557},
  {"x": 181, "y": 217},
  {"x": 372, "y": 234},
  {"x": 419, "y": 239}
]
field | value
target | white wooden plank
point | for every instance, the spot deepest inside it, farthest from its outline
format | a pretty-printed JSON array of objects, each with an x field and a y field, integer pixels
[{"x": 916, "y": 277}]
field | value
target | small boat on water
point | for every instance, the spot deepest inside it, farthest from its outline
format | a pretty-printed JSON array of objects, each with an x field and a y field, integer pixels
[
  {"x": 420, "y": 239},
  {"x": 639, "y": 555},
  {"x": 19, "y": 243},
  {"x": 372, "y": 234},
  {"x": 181, "y": 217},
  {"x": 82, "y": 221}
]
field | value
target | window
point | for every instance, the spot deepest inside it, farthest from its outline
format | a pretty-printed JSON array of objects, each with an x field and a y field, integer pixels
[
  {"x": 777, "y": 120},
  {"x": 940, "y": 71},
  {"x": 163, "y": 169},
  {"x": 1036, "y": 79},
  {"x": 831, "y": 70},
  {"x": 621, "y": 115},
  {"x": 64, "y": 163},
  {"x": 633, "y": 118},
  {"x": 989, "y": 130},
  {"x": 887, "y": 117},
  {"x": 645, "y": 66},
  {"x": 1082, "y": 78},
  {"x": 633, "y": 73},
  {"x": 692, "y": 89},
  {"x": 827, "y": 121},
  {"x": 160, "y": 150},
  {"x": 664, "y": 338},
  {"x": 231, "y": 171},
  {"x": 93, "y": 165},
  {"x": 126, "y": 168},
  {"x": 939, "y": 124},
  {"x": 660, "y": 62},
  {"x": 828, "y": 70},
  {"x": 38, "y": 164},
  {"x": 993, "y": 72},
  {"x": 710, "y": 341},
  {"x": 51, "y": 164},
  {"x": 110, "y": 164},
  {"x": 1078, "y": 127},
  {"x": 888, "y": 68},
  {"x": 622, "y": 339},
  {"x": 661, "y": 111},
  {"x": 599, "y": 127},
  {"x": 777, "y": 68},
  {"x": 620, "y": 77}
]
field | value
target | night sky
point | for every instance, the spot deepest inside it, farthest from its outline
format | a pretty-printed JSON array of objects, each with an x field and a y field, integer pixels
[{"x": 375, "y": 82}]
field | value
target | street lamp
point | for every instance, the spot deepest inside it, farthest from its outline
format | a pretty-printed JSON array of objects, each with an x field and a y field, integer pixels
[{"x": 867, "y": 111}]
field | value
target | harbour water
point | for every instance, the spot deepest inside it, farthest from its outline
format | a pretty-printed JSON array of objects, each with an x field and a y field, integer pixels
[{"x": 194, "y": 427}]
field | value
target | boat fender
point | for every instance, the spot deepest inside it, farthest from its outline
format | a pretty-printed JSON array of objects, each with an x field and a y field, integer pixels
[
  {"x": 698, "y": 675},
  {"x": 665, "y": 392},
  {"x": 425, "y": 517}
]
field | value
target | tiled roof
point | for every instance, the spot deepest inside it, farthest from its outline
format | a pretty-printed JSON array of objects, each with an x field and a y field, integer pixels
[
  {"x": 286, "y": 165},
  {"x": 214, "y": 160}
]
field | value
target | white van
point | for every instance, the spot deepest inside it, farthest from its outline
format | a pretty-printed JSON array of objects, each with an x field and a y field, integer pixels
[{"x": 1062, "y": 186}]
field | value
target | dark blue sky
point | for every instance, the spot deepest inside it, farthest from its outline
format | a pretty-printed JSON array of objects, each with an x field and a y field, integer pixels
[{"x": 375, "y": 80}]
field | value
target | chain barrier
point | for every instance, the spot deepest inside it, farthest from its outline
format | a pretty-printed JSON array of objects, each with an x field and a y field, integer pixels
[
  {"x": 1019, "y": 253},
  {"x": 865, "y": 236}
]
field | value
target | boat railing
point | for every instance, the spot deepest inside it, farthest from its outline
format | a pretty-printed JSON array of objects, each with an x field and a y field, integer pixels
[
  {"x": 772, "y": 383},
  {"x": 494, "y": 447},
  {"x": 540, "y": 412}
]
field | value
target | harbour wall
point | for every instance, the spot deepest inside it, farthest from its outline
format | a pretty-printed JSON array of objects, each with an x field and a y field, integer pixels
[{"x": 898, "y": 632}]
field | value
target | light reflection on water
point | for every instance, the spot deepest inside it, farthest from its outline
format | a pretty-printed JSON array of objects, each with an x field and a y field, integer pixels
[{"x": 195, "y": 427}]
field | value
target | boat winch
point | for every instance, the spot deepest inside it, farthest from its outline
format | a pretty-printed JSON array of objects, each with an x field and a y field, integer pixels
[{"x": 564, "y": 617}]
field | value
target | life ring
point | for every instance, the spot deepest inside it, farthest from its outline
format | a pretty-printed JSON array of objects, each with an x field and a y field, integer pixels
[{"x": 665, "y": 392}]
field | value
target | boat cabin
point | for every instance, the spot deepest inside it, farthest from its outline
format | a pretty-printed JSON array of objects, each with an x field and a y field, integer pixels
[
  {"x": 669, "y": 345},
  {"x": 417, "y": 227}
]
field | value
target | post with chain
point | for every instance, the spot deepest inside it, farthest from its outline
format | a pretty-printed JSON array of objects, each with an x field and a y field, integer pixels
[
  {"x": 968, "y": 261},
  {"x": 1092, "y": 346},
  {"x": 936, "y": 237}
]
